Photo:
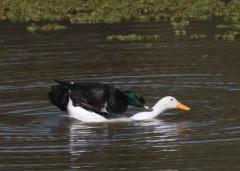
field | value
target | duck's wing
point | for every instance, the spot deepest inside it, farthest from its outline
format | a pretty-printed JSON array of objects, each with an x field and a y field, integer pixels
[
  {"x": 89, "y": 96},
  {"x": 98, "y": 97},
  {"x": 116, "y": 102},
  {"x": 106, "y": 98}
]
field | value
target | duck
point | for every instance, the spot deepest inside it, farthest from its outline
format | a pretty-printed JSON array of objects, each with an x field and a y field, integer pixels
[
  {"x": 164, "y": 104},
  {"x": 99, "y": 98},
  {"x": 161, "y": 106}
]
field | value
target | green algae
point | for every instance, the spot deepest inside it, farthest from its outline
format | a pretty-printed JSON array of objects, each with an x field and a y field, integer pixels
[
  {"x": 229, "y": 35},
  {"x": 148, "y": 45},
  {"x": 179, "y": 32},
  {"x": 205, "y": 56},
  {"x": 131, "y": 37},
  {"x": 180, "y": 13},
  {"x": 198, "y": 36},
  {"x": 180, "y": 25},
  {"x": 235, "y": 26},
  {"x": 107, "y": 11},
  {"x": 45, "y": 27}
]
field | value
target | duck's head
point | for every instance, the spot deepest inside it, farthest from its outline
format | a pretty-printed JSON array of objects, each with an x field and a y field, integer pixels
[
  {"x": 135, "y": 99},
  {"x": 170, "y": 102}
]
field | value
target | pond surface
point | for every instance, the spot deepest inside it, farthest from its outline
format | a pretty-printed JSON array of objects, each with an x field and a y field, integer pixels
[{"x": 202, "y": 74}]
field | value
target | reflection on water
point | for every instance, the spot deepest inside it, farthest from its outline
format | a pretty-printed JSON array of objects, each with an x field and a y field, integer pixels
[
  {"x": 203, "y": 74},
  {"x": 86, "y": 139}
]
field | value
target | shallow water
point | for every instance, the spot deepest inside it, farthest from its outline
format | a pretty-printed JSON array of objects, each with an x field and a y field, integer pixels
[{"x": 202, "y": 74}]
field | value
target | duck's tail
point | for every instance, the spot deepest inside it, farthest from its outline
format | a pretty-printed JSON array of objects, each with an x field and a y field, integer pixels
[{"x": 59, "y": 95}]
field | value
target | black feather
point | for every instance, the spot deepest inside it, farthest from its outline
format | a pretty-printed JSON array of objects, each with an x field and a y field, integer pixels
[
  {"x": 98, "y": 97},
  {"x": 59, "y": 96}
]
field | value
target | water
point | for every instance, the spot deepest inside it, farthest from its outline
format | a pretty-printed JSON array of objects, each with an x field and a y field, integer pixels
[{"x": 202, "y": 74}]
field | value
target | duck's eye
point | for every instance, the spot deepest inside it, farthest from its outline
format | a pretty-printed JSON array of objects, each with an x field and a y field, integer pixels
[{"x": 171, "y": 99}]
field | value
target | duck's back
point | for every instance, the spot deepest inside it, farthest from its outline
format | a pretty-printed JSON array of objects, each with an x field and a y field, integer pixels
[{"x": 97, "y": 97}]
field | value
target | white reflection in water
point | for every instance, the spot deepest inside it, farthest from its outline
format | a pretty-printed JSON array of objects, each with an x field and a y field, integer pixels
[
  {"x": 164, "y": 134},
  {"x": 79, "y": 134},
  {"x": 86, "y": 138}
]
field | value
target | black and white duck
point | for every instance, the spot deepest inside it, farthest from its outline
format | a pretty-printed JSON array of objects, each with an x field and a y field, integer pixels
[
  {"x": 95, "y": 102},
  {"x": 102, "y": 99}
]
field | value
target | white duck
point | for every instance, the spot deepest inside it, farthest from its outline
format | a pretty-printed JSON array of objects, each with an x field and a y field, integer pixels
[{"x": 162, "y": 105}]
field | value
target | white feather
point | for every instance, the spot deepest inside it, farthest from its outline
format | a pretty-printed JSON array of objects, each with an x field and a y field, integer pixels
[
  {"x": 83, "y": 114},
  {"x": 89, "y": 116}
]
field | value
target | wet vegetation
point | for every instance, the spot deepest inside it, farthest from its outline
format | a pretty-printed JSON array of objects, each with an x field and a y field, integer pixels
[
  {"x": 229, "y": 35},
  {"x": 198, "y": 36},
  {"x": 133, "y": 37},
  {"x": 180, "y": 32},
  {"x": 180, "y": 13},
  {"x": 45, "y": 27}
]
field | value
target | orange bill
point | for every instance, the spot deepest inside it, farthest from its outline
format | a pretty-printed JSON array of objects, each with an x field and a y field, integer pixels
[{"x": 181, "y": 106}]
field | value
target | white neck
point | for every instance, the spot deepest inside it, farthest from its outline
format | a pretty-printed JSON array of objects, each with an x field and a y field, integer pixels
[{"x": 158, "y": 108}]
